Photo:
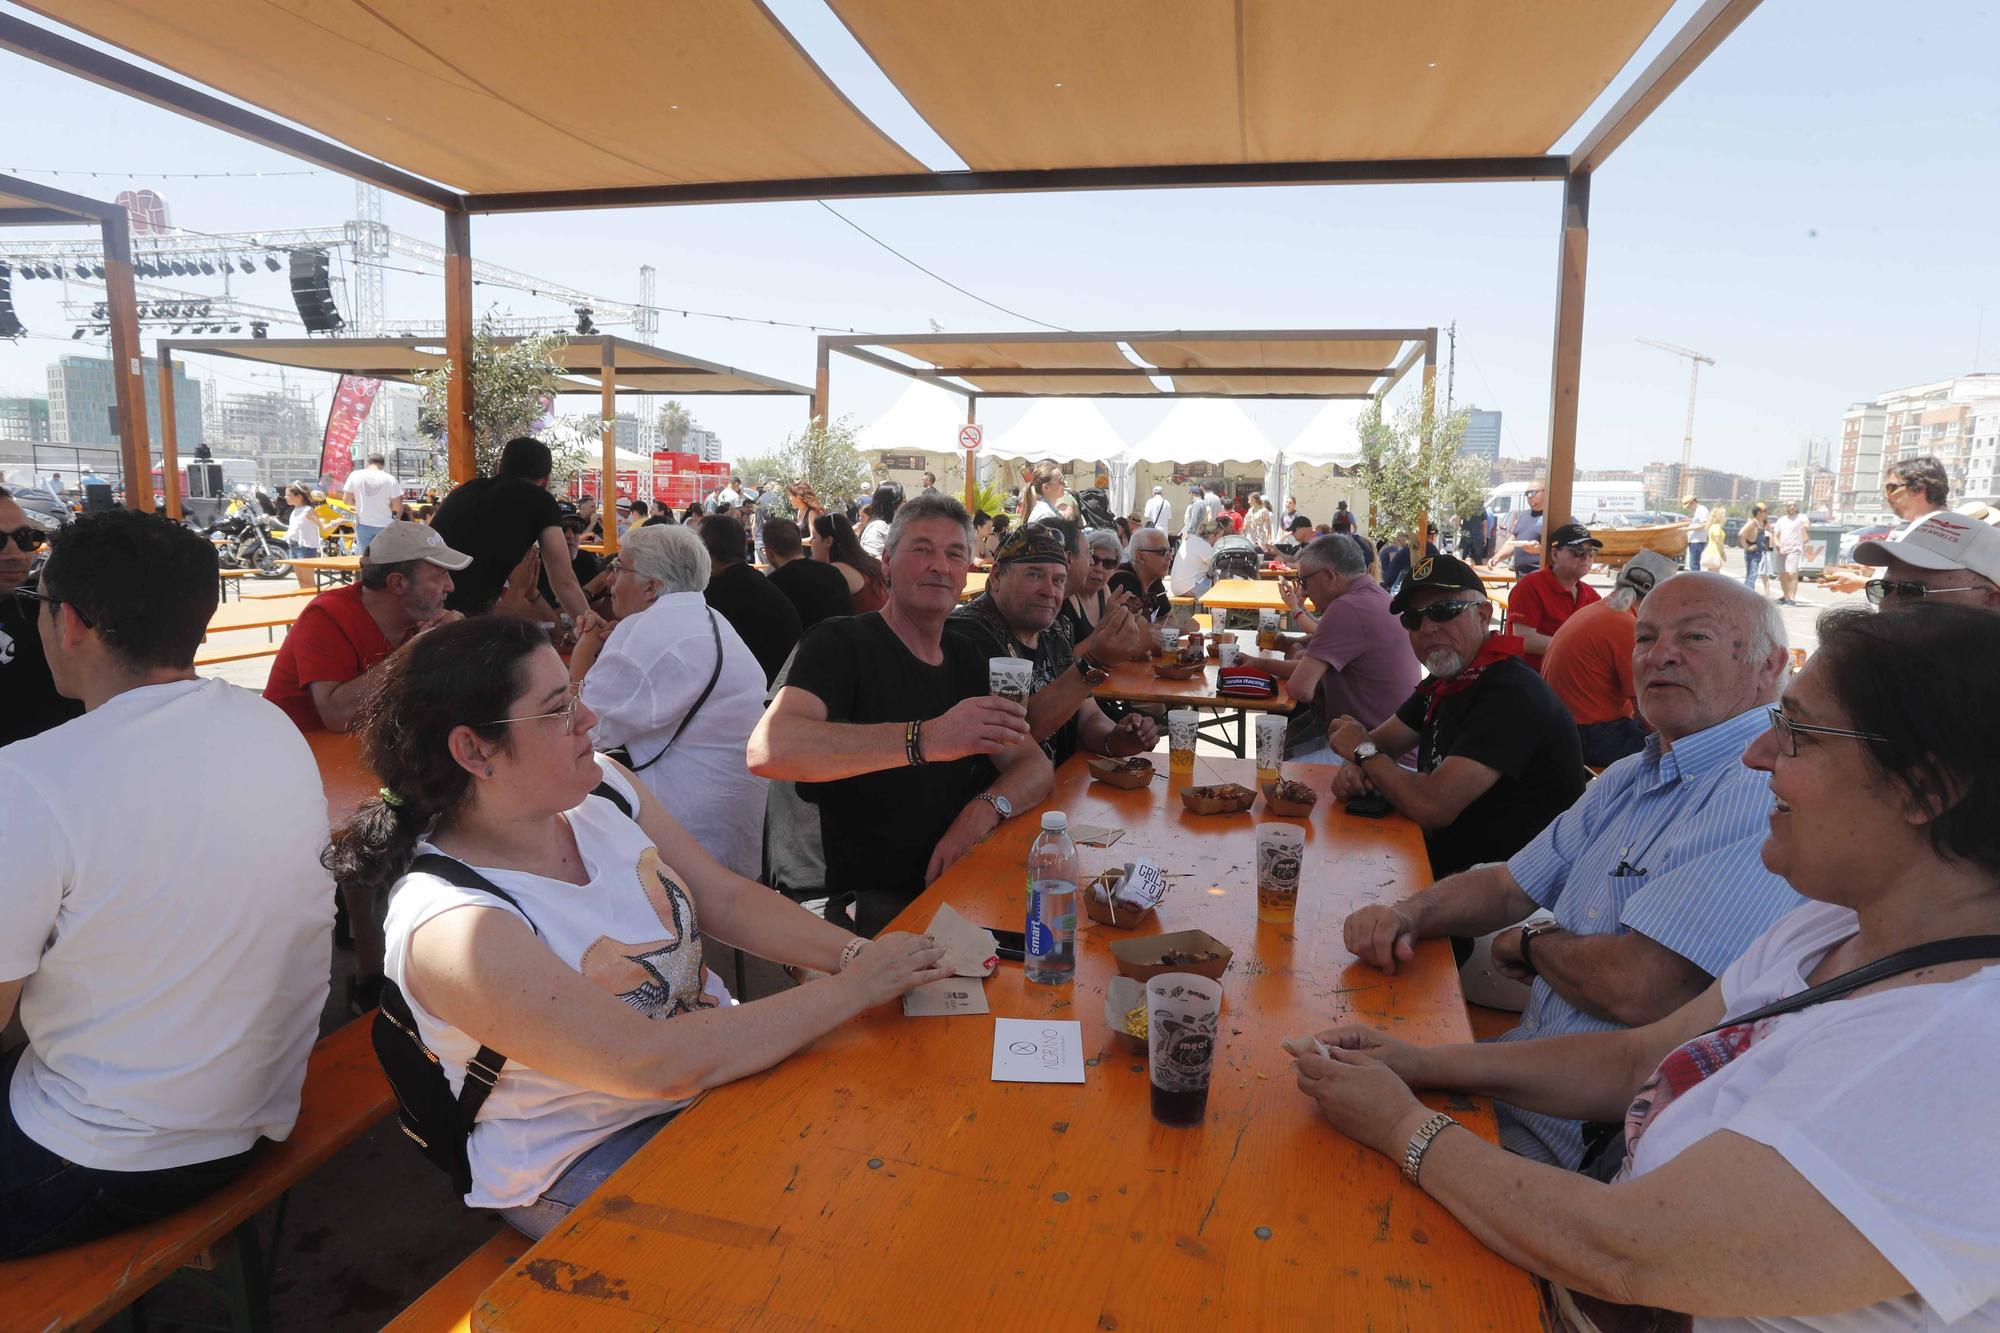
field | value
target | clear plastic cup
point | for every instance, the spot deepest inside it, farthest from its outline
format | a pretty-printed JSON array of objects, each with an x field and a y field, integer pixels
[
  {"x": 1227, "y": 653},
  {"x": 1267, "y": 629},
  {"x": 1281, "y": 851},
  {"x": 1182, "y": 1015},
  {"x": 1270, "y": 746},
  {"x": 1011, "y": 678},
  {"x": 1181, "y": 724},
  {"x": 1167, "y": 640}
]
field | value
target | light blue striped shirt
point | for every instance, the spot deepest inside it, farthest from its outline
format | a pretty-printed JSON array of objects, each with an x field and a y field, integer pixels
[{"x": 1663, "y": 844}]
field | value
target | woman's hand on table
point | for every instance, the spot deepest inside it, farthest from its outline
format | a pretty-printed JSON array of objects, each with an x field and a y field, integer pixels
[
  {"x": 893, "y": 965},
  {"x": 1362, "y": 1097}
]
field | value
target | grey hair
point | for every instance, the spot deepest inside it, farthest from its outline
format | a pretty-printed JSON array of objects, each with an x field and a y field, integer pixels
[
  {"x": 1623, "y": 598},
  {"x": 924, "y": 507},
  {"x": 1102, "y": 539},
  {"x": 1133, "y": 544},
  {"x": 1767, "y": 630},
  {"x": 670, "y": 553},
  {"x": 1336, "y": 553}
]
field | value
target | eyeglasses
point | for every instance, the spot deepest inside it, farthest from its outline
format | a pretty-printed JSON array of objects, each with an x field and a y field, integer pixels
[
  {"x": 1437, "y": 613},
  {"x": 28, "y": 539},
  {"x": 567, "y": 712},
  {"x": 1788, "y": 732},
  {"x": 1102, "y": 563},
  {"x": 1149, "y": 550},
  {"x": 1899, "y": 590},
  {"x": 32, "y": 595}
]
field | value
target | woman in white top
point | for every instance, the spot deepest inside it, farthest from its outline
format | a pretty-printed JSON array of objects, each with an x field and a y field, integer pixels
[
  {"x": 1260, "y": 524},
  {"x": 1827, "y": 1168},
  {"x": 602, "y": 1005},
  {"x": 645, "y": 675},
  {"x": 302, "y": 530},
  {"x": 1045, "y": 483},
  {"x": 881, "y": 513}
]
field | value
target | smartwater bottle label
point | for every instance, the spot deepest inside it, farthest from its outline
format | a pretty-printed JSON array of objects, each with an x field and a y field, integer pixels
[{"x": 1041, "y": 940}]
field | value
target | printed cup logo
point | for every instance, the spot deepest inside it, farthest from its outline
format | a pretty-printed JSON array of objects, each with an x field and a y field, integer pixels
[
  {"x": 1267, "y": 620},
  {"x": 1270, "y": 742},
  {"x": 1278, "y": 864}
]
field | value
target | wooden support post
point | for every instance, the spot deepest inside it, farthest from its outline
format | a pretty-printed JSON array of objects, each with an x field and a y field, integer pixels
[
  {"x": 971, "y": 456},
  {"x": 462, "y": 458},
  {"x": 1428, "y": 426},
  {"x": 607, "y": 486},
  {"x": 822, "y": 377},
  {"x": 1567, "y": 372},
  {"x": 128, "y": 376},
  {"x": 170, "y": 456}
]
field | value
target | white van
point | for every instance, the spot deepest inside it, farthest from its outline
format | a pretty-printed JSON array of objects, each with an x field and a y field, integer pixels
[{"x": 1590, "y": 501}]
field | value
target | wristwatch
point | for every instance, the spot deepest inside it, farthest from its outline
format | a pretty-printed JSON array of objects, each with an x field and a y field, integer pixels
[
  {"x": 1365, "y": 750},
  {"x": 1528, "y": 934},
  {"x": 1001, "y": 805},
  {"x": 1092, "y": 673}
]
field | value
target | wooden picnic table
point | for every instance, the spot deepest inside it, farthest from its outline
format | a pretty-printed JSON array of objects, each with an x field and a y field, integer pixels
[
  {"x": 329, "y": 568},
  {"x": 257, "y": 613},
  {"x": 975, "y": 583},
  {"x": 343, "y": 772},
  {"x": 1243, "y": 595},
  {"x": 879, "y": 1178},
  {"x": 1134, "y": 682}
]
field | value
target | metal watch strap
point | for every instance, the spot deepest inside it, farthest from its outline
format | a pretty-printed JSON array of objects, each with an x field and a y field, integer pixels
[
  {"x": 994, "y": 801},
  {"x": 1420, "y": 1143}
]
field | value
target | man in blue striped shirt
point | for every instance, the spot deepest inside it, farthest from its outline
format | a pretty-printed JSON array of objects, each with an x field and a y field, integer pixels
[{"x": 1653, "y": 875}]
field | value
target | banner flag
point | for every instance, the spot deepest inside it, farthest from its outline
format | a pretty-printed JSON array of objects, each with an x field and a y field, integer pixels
[{"x": 351, "y": 402}]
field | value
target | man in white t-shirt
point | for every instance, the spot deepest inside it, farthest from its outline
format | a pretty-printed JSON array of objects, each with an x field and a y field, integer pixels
[
  {"x": 377, "y": 498},
  {"x": 1697, "y": 530},
  {"x": 168, "y": 960},
  {"x": 1788, "y": 536},
  {"x": 1159, "y": 513}
]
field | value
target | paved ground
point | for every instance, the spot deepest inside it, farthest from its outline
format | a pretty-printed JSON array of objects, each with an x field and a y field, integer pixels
[{"x": 369, "y": 1232}]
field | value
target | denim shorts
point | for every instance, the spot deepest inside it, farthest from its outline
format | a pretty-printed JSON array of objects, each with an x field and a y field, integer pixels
[{"x": 582, "y": 1177}]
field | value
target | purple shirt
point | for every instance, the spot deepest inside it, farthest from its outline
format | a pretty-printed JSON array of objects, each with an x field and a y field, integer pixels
[{"x": 1370, "y": 668}]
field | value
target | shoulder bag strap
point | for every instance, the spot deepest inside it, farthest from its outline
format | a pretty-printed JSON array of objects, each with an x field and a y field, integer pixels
[
  {"x": 482, "y": 1071},
  {"x": 715, "y": 633},
  {"x": 1960, "y": 950}
]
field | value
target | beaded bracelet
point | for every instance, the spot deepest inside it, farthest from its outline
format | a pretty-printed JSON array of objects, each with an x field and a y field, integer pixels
[{"x": 913, "y": 748}]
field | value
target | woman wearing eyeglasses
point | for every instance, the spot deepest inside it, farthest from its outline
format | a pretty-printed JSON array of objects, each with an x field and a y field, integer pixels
[
  {"x": 591, "y": 979},
  {"x": 1803, "y": 1146},
  {"x": 32, "y": 704}
]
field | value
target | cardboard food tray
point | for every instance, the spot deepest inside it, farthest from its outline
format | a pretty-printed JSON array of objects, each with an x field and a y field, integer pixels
[
  {"x": 1228, "y": 798},
  {"x": 1144, "y": 957},
  {"x": 1288, "y": 809},
  {"x": 1114, "y": 774},
  {"x": 1100, "y": 911}
]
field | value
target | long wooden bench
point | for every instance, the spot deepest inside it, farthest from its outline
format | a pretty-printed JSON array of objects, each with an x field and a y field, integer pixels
[
  {"x": 81, "y": 1287},
  {"x": 447, "y": 1306},
  {"x": 207, "y": 656}
]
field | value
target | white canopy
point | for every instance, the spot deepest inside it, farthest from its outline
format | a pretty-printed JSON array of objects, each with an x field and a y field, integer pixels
[
  {"x": 1212, "y": 430},
  {"x": 923, "y": 420},
  {"x": 1329, "y": 437},
  {"x": 1058, "y": 428}
]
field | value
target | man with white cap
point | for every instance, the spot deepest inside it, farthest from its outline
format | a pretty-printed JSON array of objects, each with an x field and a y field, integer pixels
[
  {"x": 1952, "y": 557},
  {"x": 1158, "y": 511},
  {"x": 323, "y": 669}
]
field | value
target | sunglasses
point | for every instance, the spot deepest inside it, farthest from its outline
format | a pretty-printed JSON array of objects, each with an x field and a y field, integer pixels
[
  {"x": 1898, "y": 590},
  {"x": 1576, "y": 548},
  {"x": 1890, "y": 488},
  {"x": 1103, "y": 563},
  {"x": 567, "y": 712},
  {"x": 1789, "y": 732},
  {"x": 32, "y": 595},
  {"x": 28, "y": 539},
  {"x": 1437, "y": 613}
]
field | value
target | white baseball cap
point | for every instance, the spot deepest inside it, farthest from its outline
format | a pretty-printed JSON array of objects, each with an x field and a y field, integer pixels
[
  {"x": 1942, "y": 541},
  {"x": 405, "y": 540}
]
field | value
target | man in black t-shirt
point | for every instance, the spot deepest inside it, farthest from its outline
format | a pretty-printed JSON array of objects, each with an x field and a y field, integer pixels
[
  {"x": 1017, "y": 617},
  {"x": 1143, "y": 577},
  {"x": 886, "y": 724},
  {"x": 817, "y": 590},
  {"x": 1497, "y": 753},
  {"x": 496, "y": 519},
  {"x": 31, "y": 704},
  {"x": 761, "y": 615}
]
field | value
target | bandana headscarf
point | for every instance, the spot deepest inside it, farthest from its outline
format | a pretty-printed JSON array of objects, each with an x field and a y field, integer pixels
[{"x": 1032, "y": 544}]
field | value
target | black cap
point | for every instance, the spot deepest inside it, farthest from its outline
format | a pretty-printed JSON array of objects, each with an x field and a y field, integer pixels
[
  {"x": 1571, "y": 534},
  {"x": 1438, "y": 571},
  {"x": 1298, "y": 521}
]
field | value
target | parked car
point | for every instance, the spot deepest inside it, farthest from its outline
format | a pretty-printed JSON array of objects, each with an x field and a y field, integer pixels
[{"x": 1850, "y": 540}]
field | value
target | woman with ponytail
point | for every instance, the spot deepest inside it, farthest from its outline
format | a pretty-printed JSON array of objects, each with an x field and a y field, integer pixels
[{"x": 484, "y": 753}]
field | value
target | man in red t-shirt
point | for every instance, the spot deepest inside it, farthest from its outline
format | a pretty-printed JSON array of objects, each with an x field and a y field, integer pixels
[
  {"x": 1543, "y": 600},
  {"x": 321, "y": 675}
]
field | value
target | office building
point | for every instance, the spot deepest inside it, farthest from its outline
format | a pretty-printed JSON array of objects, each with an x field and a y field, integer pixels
[
  {"x": 83, "y": 402},
  {"x": 24, "y": 419},
  {"x": 1482, "y": 435},
  {"x": 1939, "y": 418}
]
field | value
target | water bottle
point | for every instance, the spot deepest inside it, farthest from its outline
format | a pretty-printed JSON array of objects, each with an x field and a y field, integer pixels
[{"x": 1051, "y": 951}]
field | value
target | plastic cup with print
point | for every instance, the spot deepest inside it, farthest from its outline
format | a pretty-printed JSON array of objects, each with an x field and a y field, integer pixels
[
  {"x": 1169, "y": 640},
  {"x": 1180, "y": 739},
  {"x": 1227, "y": 654},
  {"x": 1182, "y": 1014},
  {"x": 1010, "y": 678},
  {"x": 1281, "y": 851},
  {"x": 1270, "y": 747},
  {"x": 1267, "y": 629}
]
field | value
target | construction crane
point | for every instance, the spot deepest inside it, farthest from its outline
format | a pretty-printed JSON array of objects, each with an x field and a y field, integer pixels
[{"x": 1695, "y": 362}]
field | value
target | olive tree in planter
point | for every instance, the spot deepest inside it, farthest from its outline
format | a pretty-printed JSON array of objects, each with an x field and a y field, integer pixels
[
  {"x": 1412, "y": 468},
  {"x": 514, "y": 387}
]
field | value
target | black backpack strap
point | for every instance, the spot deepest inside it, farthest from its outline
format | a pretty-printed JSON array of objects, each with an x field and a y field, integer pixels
[
  {"x": 715, "y": 633},
  {"x": 616, "y": 797},
  {"x": 1963, "y": 949}
]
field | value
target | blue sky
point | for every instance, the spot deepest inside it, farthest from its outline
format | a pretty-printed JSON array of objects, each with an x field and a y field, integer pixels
[{"x": 1816, "y": 209}]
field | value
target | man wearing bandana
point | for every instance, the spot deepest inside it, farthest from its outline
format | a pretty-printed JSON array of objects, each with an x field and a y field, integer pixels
[
  {"x": 1497, "y": 753},
  {"x": 1018, "y": 616}
]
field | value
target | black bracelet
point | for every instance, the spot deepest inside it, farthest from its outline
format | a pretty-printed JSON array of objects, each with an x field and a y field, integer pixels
[{"x": 913, "y": 748}]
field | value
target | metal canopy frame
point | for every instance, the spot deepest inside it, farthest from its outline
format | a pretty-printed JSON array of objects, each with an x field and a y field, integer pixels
[
  {"x": 26, "y": 204},
  {"x": 1420, "y": 345},
  {"x": 1703, "y": 32}
]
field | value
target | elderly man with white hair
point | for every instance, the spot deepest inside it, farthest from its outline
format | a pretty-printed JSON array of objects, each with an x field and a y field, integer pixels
[
  {"x": 1654, "y": 876},
  {"x": 673, "y": 684}
]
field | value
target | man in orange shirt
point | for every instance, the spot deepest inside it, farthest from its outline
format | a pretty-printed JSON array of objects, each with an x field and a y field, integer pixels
[{"x": 1589, "y": 663}]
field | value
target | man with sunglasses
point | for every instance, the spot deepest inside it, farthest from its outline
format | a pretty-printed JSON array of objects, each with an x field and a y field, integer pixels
[
  {"x": 1948, "y": 559},
  {"x": 1654, "y": 876},
  {"x": 1543, "y": 600},
  {"x": 1521, "y": 533},
  {"x": 1497, "y": 753},
  {"x": 32, "y": 704},
  {"x": 1914, "y": 489}
]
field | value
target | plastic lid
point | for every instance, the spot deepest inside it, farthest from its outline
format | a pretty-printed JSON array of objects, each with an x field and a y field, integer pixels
[{"x": 1053, "y": 820}]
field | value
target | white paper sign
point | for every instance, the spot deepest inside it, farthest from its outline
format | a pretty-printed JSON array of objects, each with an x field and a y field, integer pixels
[
  {"x": 953, "y": 995},
  {"x": 1037, "y": 1050},
  {"x": 1145, "y": 884}
]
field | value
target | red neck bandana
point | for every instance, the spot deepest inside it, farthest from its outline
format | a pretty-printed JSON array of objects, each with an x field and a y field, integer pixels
[{"x": 1497, "y": 648}]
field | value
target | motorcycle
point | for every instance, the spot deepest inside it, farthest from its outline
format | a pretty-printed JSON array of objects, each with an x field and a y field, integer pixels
[{"x": 247, "y": 535}]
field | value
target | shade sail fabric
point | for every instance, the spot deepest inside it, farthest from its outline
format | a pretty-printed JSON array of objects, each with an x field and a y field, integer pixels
[
  {"x": 1367, "y": 359},
  {"x": 923, "y": 420},
  {"x": 1057, "y": 83},
  {"x": 497, "y": 95},
  {"x": 1018, "y": 358},
  {"x": 1204, "y": 430},
  {"x": 1064, "y": 429}
]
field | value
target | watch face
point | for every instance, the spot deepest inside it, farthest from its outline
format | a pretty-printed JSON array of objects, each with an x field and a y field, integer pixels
[{"x": 1004, "y": 806}]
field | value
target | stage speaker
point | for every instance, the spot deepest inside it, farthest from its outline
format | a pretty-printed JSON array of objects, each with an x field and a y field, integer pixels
[
  {"x": 312, "y": 292},
  {"x": 10, "y": 323},
  {"x": 204, "y": 481}
]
